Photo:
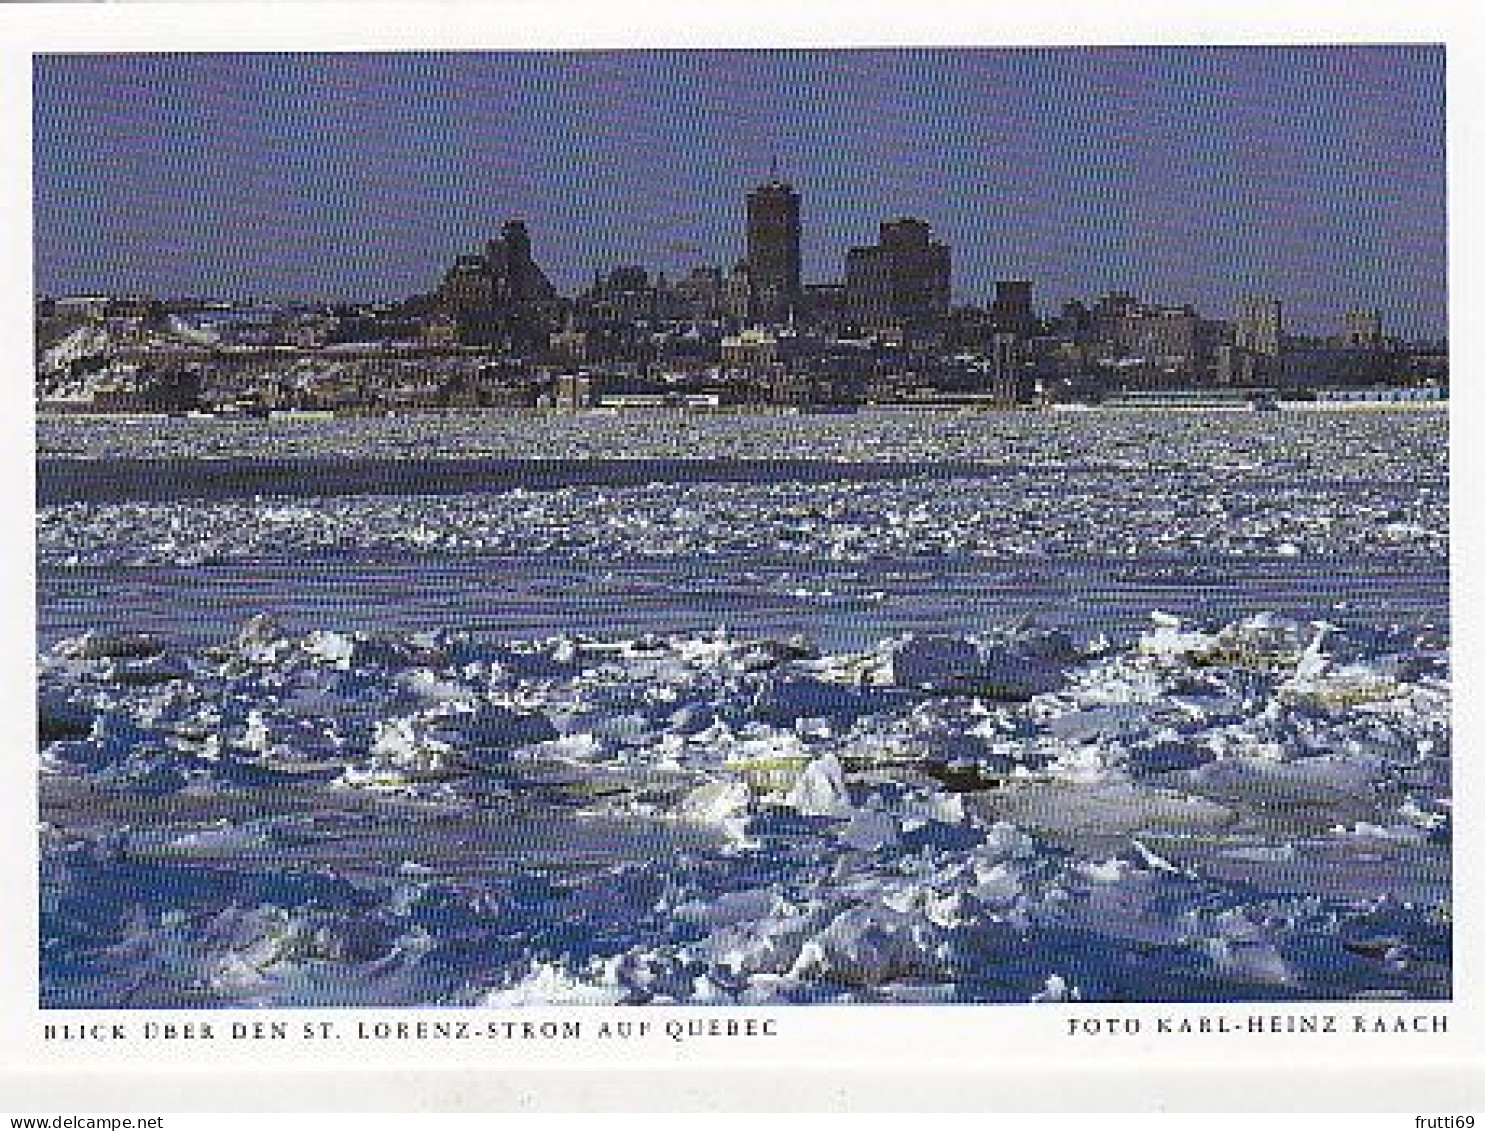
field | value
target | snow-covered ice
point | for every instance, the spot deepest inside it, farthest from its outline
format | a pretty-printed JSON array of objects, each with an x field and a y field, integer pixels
[
  {"x": 318, "y": 823},
  {"x": 284, "y": 762}
]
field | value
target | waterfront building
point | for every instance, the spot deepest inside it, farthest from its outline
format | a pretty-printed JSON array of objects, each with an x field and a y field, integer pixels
[
  {"x": 1362, "y": 329},
  {"x": 1260, "y": 326},
  {"x": 1166, "y": 337},
  {"x": 1235, "y": 366},
  {"x": 574, "y": 392},
  {"x": 440, "y": 331},
  {"x": 572, "y": 345},
  {"x": 1107, "y": 315},
  {"x": 752, "y": 352},
  {"x": 1005, "y": 368}
]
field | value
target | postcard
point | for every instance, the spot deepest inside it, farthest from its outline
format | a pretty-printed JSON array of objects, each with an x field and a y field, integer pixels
[{"x": 561, "y": 558}]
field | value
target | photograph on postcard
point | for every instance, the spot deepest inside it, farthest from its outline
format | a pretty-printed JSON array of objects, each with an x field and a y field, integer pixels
[{"x": 742, "y": 527}]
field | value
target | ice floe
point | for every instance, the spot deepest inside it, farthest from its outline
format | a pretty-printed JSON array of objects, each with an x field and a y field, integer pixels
[{"x": 883, "y": 825}]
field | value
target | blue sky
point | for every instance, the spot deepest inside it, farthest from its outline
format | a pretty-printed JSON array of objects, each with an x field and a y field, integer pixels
[{"x": 1182, "y": 174}]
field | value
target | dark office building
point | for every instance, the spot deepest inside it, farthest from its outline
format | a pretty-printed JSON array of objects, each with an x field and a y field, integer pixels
[
  {"x": 773, "y": 250},
  {"x": 901, "y": 283},
  {"x": 822, "y": 307},
  {"x": 1011, "y": 312},
  {"x": 1109, "y": 314},
  {"x": 626, "y": 295},
  {"x": 699, "y": 294},
  {"x": 1076, "y": 323}
]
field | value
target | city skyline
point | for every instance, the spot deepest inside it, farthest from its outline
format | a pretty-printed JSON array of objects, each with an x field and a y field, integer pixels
[{"x": 1086, "y": 170}]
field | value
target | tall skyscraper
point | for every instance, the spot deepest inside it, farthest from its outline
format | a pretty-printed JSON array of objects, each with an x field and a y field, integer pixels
[
  {"x": 773, "y": 250},
  {"x": 1260, "y": 326}
]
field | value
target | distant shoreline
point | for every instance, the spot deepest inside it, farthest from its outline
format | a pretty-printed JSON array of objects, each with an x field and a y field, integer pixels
[{"x": 310, "y": 416}]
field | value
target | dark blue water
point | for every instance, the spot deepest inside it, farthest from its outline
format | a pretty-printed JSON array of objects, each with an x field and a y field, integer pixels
[
  {"x": 115, "y": 480},
  {"x": 838, "y": 605}
]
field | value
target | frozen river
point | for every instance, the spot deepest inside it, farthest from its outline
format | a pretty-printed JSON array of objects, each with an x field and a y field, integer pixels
[
  {"x": 840, "y": 606},
  {"x": 872, "y": 708}
]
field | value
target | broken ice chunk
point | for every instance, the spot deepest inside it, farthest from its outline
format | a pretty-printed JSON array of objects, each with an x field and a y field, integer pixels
[
  {"x": 932, "y": 662},
  {"x": 821, "y": 789}
]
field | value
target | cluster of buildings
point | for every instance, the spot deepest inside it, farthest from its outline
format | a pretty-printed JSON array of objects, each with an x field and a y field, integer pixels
[
  {"x": 495, "y": 331},
  {"x": 897, "y": 287}
]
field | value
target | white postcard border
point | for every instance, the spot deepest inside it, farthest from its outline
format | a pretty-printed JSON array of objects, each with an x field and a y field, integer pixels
[{"x": 946, "y": 1056}]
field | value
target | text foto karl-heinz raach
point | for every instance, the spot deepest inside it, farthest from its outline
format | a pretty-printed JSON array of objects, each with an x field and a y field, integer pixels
[{"x": 1258, "y": 1023}]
